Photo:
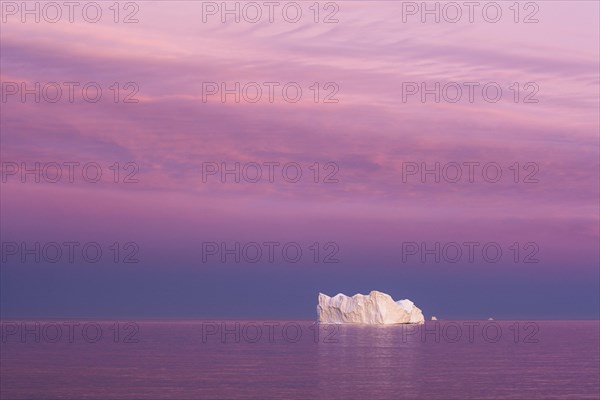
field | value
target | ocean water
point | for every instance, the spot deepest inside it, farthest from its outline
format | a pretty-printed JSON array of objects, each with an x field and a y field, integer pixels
[{"x": 299, "y": 360}]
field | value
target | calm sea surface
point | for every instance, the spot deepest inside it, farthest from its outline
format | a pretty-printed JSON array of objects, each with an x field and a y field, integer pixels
[{"x": 299, "y": 360}]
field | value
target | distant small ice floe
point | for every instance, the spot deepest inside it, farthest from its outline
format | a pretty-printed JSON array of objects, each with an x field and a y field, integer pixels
[
  {"x": 376, "y": 308},
  {"x": 490, "y": 319},
  {"x": 434, "y": 318}
]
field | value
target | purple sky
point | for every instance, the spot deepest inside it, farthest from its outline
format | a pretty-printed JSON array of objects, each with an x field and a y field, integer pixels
[{"x": 370, "y": 133}]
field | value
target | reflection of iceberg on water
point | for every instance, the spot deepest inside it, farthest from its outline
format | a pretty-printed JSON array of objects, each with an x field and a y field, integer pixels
[{"x": 376, "y": 308}]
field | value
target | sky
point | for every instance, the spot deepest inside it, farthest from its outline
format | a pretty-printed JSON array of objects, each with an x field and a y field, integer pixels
[{"x": 373, "y": 217}]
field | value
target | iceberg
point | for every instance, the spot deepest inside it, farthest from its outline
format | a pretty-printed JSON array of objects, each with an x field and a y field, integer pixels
[{"x": 376, "y": 308}]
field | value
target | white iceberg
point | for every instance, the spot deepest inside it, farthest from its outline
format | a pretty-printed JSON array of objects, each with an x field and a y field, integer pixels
[
  {"x": 375, "y": 309},
  {"x": 434, "y": 318}
]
